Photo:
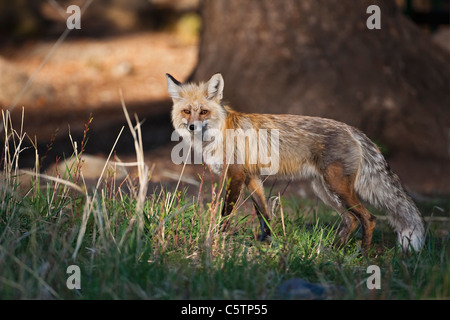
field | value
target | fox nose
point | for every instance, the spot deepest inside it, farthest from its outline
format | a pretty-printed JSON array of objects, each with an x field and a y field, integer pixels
[{"x": 192, "y": 127}]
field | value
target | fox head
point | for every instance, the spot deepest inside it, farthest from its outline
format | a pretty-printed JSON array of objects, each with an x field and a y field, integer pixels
[{"x": 197, "y": 106}]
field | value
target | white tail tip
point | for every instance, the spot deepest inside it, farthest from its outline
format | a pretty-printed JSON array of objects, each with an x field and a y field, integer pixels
[{"x": 411, "y": 239}]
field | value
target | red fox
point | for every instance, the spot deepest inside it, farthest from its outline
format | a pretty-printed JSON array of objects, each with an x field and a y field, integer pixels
[{"x": 341, "y": 162}]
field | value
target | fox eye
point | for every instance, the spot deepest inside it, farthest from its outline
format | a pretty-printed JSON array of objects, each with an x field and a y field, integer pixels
[
  {"x": 186, "y": 111},
  {"x": 204, "y": 112}
]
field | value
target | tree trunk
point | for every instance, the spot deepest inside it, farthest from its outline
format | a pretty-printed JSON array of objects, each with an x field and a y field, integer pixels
[{"x": 319, "y": 58}]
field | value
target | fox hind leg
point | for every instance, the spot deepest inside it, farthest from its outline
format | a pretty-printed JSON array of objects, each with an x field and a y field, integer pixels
[
  {"x": 349, "y": 221},
  {"x": 342, "y": 186},
  {"x": 349, "y": 224}
]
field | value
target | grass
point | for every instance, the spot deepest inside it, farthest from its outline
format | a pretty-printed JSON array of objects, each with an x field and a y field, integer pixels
[{"x": 131, "y": 243}]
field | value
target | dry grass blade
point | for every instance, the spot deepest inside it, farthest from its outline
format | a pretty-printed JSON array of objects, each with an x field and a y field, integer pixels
[
  {"x": 55, "y": 179},
  {"x": 143, "y": 171},
  {"x": 107, "y": 160}
]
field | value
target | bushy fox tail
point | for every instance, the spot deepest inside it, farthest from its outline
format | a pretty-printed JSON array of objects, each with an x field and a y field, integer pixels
[{"x": 378, "y": 185}]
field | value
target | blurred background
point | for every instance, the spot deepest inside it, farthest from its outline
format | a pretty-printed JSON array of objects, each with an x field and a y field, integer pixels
[{"x": 290, "y": 56}]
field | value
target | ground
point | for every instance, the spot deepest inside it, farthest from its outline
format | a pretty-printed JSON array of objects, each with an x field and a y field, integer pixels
[{"x": 178, "y": 252}]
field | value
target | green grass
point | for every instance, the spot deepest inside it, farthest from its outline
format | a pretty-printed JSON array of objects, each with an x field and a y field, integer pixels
[{"x": 168, "y": 245}]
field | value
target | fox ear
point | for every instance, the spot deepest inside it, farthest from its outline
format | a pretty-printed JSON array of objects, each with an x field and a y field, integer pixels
[
  {"x": 173, "y": 87},
  {"x": 215, "y": 87}
]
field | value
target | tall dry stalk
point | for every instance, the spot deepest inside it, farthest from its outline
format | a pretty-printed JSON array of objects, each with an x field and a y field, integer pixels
[{"x": 143, "y": 171}]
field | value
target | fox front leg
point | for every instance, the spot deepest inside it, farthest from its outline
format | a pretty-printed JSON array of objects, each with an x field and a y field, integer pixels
[
  {"x": 255, "y": 187},
  {"x": 233, "y": 192}
]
